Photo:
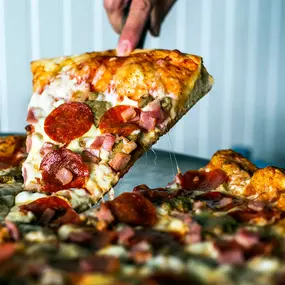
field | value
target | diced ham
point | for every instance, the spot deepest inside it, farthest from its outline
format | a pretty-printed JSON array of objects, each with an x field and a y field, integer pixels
[
  {"x": 25, "y": 174},
  {"x": 47, "y": 148},
  {"x": 199, "y": 205},
  {"x": 104, "y": 214},
  {"x": 125, "y": 234},
  {"x": 229, "y": 253},
  {"x": 81, "y": 237},
  {"x": 257, "y": 206},
  {"x": 128, "y": 114},
  {"x": 89, "y": 156},
  {"x": 108, "y": 142},
  {"x": 100, "y": 263},
  {"x": 120, "y": 161},
  {"x": 195, "y": 233},
  {"x": 31, "y": 118},
  {"x": 135, "y": 119},
  {"x": 129, "y": 146},
  {"x": 246, "y": 238},
  {"x": 141, "y": 252},
  {"x": 225, "y": 202},
  {"x": 231, "y": 256},
  {"x": 147, "y": 121},
  {"x": 64, "y": 176},
  {"x": 13, "y": 230},
  {"x": 47, "y": 216},
  {"x": 98, "y": 142},
  {"x": 156, "y": 111},
  {"x": 28, "y": 143}
]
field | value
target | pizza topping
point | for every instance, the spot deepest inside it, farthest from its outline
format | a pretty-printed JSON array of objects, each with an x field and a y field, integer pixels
[
  {"x": 229, "y": 252},
  {"x": 129, "y": 146},
  {"x": 112, "y": 121},
  {"x": 198, "y": 205},
  {"x": 248, "y": 215},
  {"x": 226, "y": 201},
  {"x": 194, "y": 234},
  {"x": 201, "y": 180},
  {"x": 120, "y": 161},
  {"x": 257, "y": 206},
  {"x": 125, "y": 234},
  {"x": 246, "y": 238},
  {"x": 81, "y": 237},
  {"x": 98, "y": 108},
  {"x": 156, "y": 111},
  {"x": 7, "y": 250},
  {"x": 47, "y": 148},
  {"x": 68, "y": 122},
  {"x": 60, "y": 208},
  {"x": 58, "y": 166},
  {"x": 133, "y": 209},
  {"x": 64, "y": 176},
  {"x": 31, "y": 118},
  {"x": 13, "y": 230},
  {"x": 108, "y": 142},
  {"x": 47, "y": 216},
  {"x": 141, "y": 252},
  {"x": 29, "y": 143},
  {"x": 104, "y": 264},
  {"x": 144, "y": 100},
  {"x": 155, "y": 238},
  {"x": 92, "y": 239},
  {"x": 104, "y": 214},
  {"x": 147, "y": 121},
  {"x": 155, "y": 195},
  {"x": 128, "y": 114},
  {"x": 97, "y": 144},
  {"x": 105, "y": 141},
  {"x": 90, "y": 156}
]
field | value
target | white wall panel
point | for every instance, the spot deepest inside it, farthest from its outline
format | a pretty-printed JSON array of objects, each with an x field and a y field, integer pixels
[
  {"x": 18, "y": 55},
  {"x": 242, "y": 42}
]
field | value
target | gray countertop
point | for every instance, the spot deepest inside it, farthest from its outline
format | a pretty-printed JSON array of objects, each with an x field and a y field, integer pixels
[{"x": 156, "y": 169}]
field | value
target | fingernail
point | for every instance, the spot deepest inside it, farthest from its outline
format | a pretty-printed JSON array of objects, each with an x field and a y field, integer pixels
[
  {"x": 156, "y": 31},
  {"x": 124, "y": 48}
]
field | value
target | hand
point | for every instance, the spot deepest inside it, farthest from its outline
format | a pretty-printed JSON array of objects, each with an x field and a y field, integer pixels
[{"x": 141, "y": 12}]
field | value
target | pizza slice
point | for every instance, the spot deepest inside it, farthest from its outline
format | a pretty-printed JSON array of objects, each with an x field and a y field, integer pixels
[
  {"x": 92, "y": 116},
  {"x": 12, "y": 155}
]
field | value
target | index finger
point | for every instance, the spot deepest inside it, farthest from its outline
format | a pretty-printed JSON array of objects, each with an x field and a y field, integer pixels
[{"x": 136, "y": 21}]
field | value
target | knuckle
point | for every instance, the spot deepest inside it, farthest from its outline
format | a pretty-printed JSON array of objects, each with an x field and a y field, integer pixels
[
  {"x": 144, "y": 5},
  {"x": 110, "y": 5}
]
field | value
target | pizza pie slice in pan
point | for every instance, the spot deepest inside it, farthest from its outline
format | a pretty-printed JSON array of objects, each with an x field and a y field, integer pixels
[{"x": 92, "y": 116}]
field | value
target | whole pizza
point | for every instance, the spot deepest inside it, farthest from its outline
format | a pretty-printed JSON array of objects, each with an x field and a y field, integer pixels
[{"x": 90, "y": 118}]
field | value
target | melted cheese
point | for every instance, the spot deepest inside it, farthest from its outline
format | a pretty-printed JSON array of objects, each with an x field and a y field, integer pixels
[
  {"x": 15, "y": 215},
  {"x": 26, "y": 197},
  {"x": 59, "y": 91}
]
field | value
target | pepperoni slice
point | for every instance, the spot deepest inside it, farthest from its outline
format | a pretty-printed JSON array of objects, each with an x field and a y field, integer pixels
[
  {"x": 62, "y": 211},
  {"x": 62, "y": 159},
  {"x": 113, "y": 122},
  {"x": 133, "y": 209},
  {"x": 68, "y": 122},
  {"x": 201, "y": 180},
  {"x": 157, "y": 195}
]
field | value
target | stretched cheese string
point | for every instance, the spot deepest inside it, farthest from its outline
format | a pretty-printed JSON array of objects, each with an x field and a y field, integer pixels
[
  {"x": 155, "y": 156},
  {"x": 170, "y": 151}
]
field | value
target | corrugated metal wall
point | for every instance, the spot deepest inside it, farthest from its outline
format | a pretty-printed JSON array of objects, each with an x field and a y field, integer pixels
[{"x": 242, "y": 42}]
